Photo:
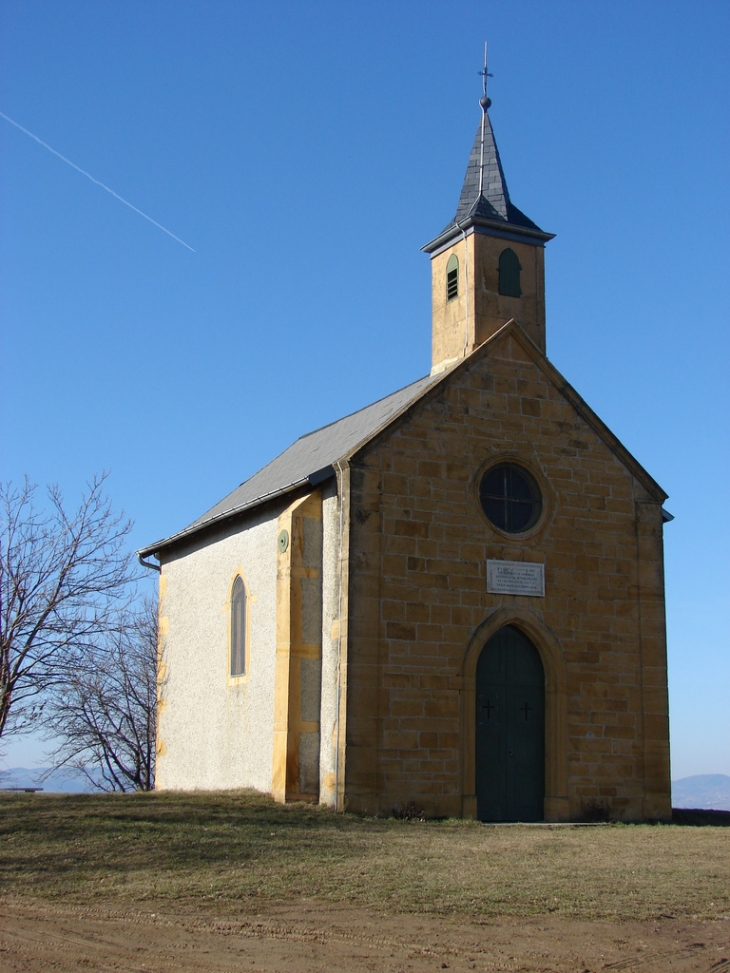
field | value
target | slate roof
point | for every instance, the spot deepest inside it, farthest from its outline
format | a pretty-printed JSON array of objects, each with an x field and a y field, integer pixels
[
  {"x": 492, "y": 206},
  {"x": 310, "y": 460}
]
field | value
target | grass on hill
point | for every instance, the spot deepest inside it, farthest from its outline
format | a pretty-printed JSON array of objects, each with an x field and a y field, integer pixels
[{"x": 234, "y": 847}]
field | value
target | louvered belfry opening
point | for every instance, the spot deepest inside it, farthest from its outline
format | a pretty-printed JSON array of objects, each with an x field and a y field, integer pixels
[
  {"x": 452, "y": 278},
  {"x": 452, "y": 284}
]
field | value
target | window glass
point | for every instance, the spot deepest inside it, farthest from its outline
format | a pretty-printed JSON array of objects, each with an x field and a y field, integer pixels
[
  {"x": 238, "y": 628},
  {"x": 510, "y": 498}
]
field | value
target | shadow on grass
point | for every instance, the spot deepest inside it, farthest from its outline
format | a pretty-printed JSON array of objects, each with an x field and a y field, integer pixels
[{"x": 57, "y": 837}]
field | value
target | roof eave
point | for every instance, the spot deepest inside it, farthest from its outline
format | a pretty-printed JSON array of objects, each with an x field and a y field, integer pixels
[
  {"x": 477, "y": 224},
  {"x": 312, "y": 480}
]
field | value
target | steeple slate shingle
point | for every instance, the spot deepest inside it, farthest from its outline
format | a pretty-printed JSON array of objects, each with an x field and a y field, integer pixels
[
  {"x": 493, "y": 203},
  {"x": 494, "y": 186},
  {"x": 491, "y": 207}
]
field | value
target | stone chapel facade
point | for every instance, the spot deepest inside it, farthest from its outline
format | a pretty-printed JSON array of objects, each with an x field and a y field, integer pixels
[{"x": 454, "y": 597}]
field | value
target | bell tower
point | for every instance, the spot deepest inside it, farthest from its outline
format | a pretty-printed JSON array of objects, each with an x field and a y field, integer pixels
[{"x": 487, "y": 265}]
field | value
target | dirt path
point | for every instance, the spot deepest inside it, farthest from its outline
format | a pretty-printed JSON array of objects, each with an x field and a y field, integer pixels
[{"x": 309, "y": 937}]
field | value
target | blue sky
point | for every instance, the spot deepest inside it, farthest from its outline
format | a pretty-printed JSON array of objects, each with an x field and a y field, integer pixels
[{"x": 306, "y": 151}]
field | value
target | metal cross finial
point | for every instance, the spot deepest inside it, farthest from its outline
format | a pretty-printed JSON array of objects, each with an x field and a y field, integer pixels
[
  {"x": 484, "y": 74},
  {"x": 485, "y": 102}
]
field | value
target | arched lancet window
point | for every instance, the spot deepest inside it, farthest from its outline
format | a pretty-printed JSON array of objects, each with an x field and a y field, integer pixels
[
  {"x": 509, "y": 274},
  {"x": 452, "y": 277},
  {"x": 238, "y": 628}
]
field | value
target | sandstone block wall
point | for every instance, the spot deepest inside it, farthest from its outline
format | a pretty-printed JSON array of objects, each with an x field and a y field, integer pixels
[{"x": 419, "y": 611}]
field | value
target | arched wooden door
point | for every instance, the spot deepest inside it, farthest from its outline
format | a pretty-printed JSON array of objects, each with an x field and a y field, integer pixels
[{"x": 510, "y": 729}]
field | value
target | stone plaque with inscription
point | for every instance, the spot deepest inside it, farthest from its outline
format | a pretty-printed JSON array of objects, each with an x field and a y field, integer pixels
[{"x": 516, "y": 578}]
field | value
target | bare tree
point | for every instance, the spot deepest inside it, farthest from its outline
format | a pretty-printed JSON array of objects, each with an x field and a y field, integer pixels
[
  {"x": 64, "y": 580},
  {"x": 103, "y": 717}
]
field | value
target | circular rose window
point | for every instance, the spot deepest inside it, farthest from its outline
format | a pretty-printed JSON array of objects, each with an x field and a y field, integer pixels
[{"x": 510, "y": 498}]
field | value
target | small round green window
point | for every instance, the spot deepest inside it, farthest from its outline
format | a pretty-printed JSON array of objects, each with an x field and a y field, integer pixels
[{"x": 510, "y": 498}]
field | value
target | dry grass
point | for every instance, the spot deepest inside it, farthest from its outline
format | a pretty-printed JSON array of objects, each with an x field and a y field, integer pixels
[{"x": 229, "y": 847}]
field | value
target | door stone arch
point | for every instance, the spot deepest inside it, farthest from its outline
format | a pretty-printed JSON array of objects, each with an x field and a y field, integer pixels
[{"x": 556, "y": 709}]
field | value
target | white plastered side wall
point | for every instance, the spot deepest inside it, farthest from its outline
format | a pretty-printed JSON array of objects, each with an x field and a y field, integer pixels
[{"x": 214, "y": 731}]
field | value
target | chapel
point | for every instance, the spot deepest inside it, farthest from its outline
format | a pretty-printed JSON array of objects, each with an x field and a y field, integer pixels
[{"x": 450, "y": 600}]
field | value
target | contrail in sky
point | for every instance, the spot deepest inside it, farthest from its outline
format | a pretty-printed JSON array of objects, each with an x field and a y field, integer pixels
[{"x": 89, "y": 176}]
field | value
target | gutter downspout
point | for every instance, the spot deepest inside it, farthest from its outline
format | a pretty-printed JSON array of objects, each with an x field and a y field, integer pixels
[{"x": 148, "y": 564}]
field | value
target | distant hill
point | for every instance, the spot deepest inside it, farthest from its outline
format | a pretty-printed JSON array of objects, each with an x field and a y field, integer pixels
[
  {"x": 59, "y": 782},
  {"x": 707, "y": 791}
]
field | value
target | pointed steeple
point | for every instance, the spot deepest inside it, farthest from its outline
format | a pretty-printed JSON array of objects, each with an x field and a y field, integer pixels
[
  {"x": 484, "y": 193},
  {"x": 487, "y": 264},
  {"x": 484, "y": 201}
]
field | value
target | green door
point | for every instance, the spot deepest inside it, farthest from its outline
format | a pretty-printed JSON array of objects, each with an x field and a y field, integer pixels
[{"x": 510, "y": 729}]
